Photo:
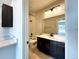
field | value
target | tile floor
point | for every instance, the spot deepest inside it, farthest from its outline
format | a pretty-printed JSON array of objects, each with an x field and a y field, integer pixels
[{"x": 34, "y": 53}]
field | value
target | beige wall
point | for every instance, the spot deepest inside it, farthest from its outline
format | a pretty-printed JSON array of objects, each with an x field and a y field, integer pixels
[
  {"x": 37, "y": 26},
  {"x": 41, "y": 16},
  {"x": 41, "y": 25},
  {"x": 50, "y": 24},
  {"x": 32, "y": 26}
]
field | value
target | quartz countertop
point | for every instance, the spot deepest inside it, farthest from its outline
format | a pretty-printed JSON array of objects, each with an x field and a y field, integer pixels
[
  {"x": 6, "y": 42},
  {"x": 55, "y": 37}
]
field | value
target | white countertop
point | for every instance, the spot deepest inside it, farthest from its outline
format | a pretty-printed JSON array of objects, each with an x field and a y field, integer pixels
[
  {"x": 55, "y": 37},
  {"x": 6, "y": 42}
]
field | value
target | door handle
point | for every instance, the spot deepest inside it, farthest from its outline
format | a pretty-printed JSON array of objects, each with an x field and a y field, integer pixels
[{"x": 27, "y": 42}]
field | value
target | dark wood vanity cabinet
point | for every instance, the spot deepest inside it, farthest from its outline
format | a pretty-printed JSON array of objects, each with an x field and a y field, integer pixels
[{"x": 53, "y": 48}]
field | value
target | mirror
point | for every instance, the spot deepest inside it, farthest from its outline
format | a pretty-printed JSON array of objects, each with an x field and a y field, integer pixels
[{"x": 53, "y": 24}]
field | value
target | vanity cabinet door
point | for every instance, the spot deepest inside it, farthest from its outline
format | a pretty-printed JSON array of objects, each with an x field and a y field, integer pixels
[
  {"x": 57, "y": 49},
  {"x": 40, "y": 44},
  {"x": 60, "y": 52},
  {"x": 43, "y": 45},
  {"x": 52, "y": 48},
  {"x": 47, "y": 46}
]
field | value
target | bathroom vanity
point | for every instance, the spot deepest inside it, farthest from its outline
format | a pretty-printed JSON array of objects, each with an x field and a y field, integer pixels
[{"x": 53, "y": 46}]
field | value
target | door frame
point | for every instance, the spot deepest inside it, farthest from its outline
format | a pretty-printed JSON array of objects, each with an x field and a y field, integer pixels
[{"x": 73, "y": 7}]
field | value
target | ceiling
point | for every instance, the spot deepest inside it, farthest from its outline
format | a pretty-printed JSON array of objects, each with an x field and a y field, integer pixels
[{"x": 35, "y": 5}]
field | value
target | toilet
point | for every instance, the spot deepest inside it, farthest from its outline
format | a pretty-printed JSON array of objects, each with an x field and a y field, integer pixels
[{"x": 32, "y": 43}]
